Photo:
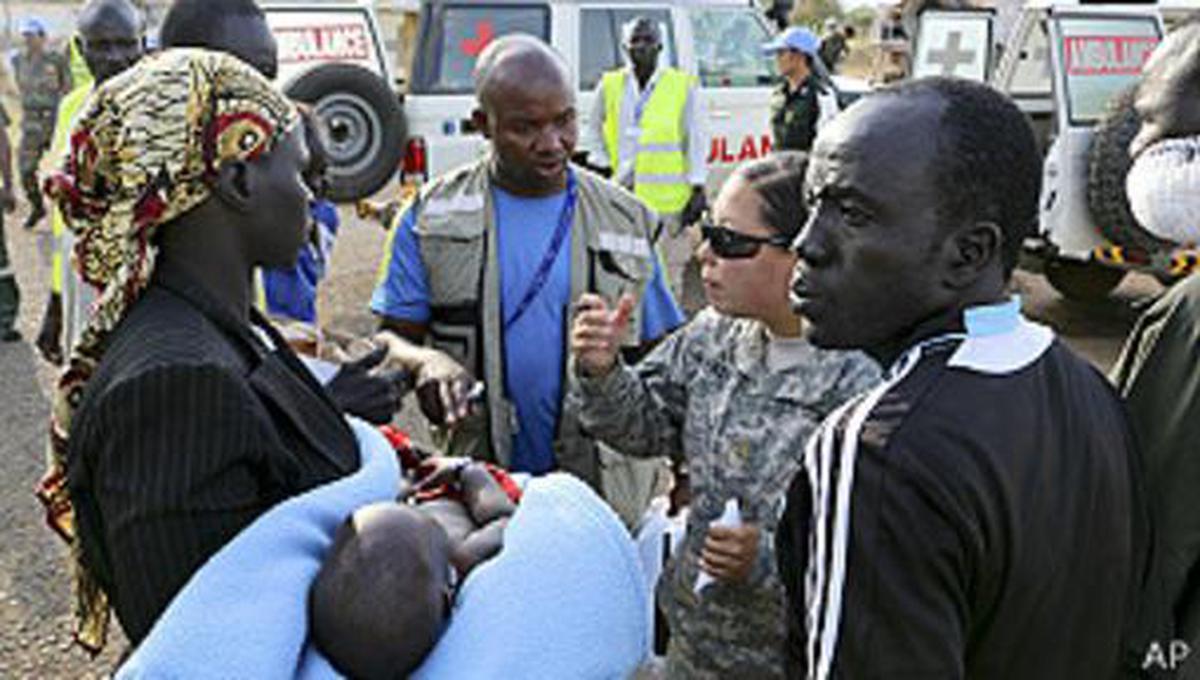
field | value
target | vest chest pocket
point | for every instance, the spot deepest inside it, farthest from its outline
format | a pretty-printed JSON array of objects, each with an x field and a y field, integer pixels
[
  {"x": 612, "y": 274},
  {"x": 619, "y": 261},
  {"x": 453, "y": 248}
]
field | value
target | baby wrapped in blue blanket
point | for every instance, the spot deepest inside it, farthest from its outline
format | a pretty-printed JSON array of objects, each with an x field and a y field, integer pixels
[
  {"x": 385, "y": 593},
  {"x": 563, "y": 597}
]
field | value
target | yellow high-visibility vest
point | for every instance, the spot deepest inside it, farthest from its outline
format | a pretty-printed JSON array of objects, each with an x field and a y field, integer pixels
[
  {"x": 68, "y": 108},
  {"x": 80, "y": 75},
  {"x": 660, "y": 168}
]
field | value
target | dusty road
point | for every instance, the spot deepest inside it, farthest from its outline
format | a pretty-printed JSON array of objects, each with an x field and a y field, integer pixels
[{"x": 34, "y": 621}]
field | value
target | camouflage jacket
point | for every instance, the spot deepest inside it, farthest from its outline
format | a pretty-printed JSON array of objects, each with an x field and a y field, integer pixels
[
  {"x": 42, "y": 79},
  {"x": 706, "y": 396}
]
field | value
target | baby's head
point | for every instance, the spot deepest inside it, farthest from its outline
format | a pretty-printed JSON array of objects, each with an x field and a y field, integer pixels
[{"x": 383, "y": 595}]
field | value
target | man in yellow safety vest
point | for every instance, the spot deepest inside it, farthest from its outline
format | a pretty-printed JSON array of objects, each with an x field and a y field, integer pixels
[{"x": 647, "y": 129}]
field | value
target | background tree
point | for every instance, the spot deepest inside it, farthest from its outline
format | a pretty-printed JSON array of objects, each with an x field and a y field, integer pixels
[{"x": 813, "y": 13}]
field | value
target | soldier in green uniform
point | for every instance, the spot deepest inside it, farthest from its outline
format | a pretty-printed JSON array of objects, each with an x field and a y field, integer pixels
[
  {"x": 43, "y": 77},
  {"x": 10, "y": 295},
  {"x": 833, "y": 45},
  {"x": 802, "y": 102}
]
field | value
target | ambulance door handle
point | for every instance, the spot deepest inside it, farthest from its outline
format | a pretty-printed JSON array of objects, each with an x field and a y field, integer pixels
[{"x": 722, "y": 115}]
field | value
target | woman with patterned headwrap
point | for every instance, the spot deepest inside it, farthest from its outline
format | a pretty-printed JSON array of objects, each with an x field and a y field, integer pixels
[{"x": 181, "y": 415}]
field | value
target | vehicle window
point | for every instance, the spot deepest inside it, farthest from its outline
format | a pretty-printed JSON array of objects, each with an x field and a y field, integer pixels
[
  {"x": 1100, "y": 57},
  {"x": 729, "y": 48},
  {"x": 600, "y": 40},
  {"x": 953, "y": 44},
  {"x": 461, "y": 32}
]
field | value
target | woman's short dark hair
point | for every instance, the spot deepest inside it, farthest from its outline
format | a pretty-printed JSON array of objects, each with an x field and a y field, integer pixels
[{"x": 778, "y": 180}]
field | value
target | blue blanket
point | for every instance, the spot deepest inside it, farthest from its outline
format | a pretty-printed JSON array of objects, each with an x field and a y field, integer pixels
[
  {"x": 563, "y": 599},
  {"x": 235, "y": 618}
]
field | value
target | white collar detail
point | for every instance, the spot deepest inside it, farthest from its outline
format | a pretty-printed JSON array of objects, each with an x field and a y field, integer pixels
[{"x": 1000, "y": 340}]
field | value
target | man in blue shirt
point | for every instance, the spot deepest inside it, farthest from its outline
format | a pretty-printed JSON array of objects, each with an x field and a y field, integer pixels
[{"x": 486, "y": 262}]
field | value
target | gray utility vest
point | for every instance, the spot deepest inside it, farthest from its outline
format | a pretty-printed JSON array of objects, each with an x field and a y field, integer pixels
[{"x": 611, "y": 253}]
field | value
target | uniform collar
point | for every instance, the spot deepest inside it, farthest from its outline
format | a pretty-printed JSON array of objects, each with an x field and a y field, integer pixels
[
  {"x": 749, "y": 347},
  {"x": 786, "y": 86},
  {"x": 802, "y": 383},
  {"x": 631, "y": 75},
  {"x": 1000, "y": 340}
]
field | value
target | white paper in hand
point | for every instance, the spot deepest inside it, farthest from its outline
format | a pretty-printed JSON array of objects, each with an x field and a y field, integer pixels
[{"x": 731, "y": 517}]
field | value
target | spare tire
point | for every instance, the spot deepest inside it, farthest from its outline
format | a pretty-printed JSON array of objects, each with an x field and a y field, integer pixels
[
  {"x": 1108, "y": 164},
  {"x": 361, "y": 124}
]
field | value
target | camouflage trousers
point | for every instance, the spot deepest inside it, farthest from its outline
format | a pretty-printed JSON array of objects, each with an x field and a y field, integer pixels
[
  {"x": 687, "y": 662},
  {"x": 10, "y": 295},
  {"x": 37, "y": 132}
]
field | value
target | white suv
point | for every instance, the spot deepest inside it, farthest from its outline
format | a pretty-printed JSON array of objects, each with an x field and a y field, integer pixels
[
  {"x": 1071, "y": 68},
  {"x": 718, "y": 40}
]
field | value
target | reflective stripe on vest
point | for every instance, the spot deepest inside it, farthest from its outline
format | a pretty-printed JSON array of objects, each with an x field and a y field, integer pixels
[
  {"x": 660, "y": 169},
  {"x": 81, "y": 76},
  {"x": 56, "y": 267},
  {"x": 660, "y": 148}
]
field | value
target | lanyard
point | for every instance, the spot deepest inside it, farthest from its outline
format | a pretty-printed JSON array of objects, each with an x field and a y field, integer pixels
[
  {"x": 639, "y": 106},
  {"x": 542, "y": 275}
]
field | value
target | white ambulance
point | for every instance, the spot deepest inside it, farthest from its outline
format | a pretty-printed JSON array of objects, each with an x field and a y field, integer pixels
[{"x": 718, "y": 40}]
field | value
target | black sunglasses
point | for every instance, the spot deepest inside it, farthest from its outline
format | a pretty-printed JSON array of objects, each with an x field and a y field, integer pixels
[{"x": 728, "y": 244}]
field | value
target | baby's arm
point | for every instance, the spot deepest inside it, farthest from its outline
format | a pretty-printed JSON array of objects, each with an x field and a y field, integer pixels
[
  {"x": 479, "y": 546},
  {"x": 485, "y": 499}
]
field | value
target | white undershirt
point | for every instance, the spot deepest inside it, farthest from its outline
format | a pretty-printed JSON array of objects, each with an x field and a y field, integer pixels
[{"x": 784, "y": 353}]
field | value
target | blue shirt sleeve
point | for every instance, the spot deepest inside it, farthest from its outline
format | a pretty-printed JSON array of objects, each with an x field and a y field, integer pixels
[
  {"x": 660, "y": 313},
  {"x": 403, "y": 289},
  {"x": 326, "y": 213}
]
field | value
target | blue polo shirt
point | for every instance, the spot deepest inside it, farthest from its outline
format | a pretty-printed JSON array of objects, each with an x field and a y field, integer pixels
[{"x": 534, "y": 345}]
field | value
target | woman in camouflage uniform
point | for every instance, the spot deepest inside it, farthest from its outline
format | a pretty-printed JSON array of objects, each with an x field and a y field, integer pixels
[{"x": 734, "y": 394}]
